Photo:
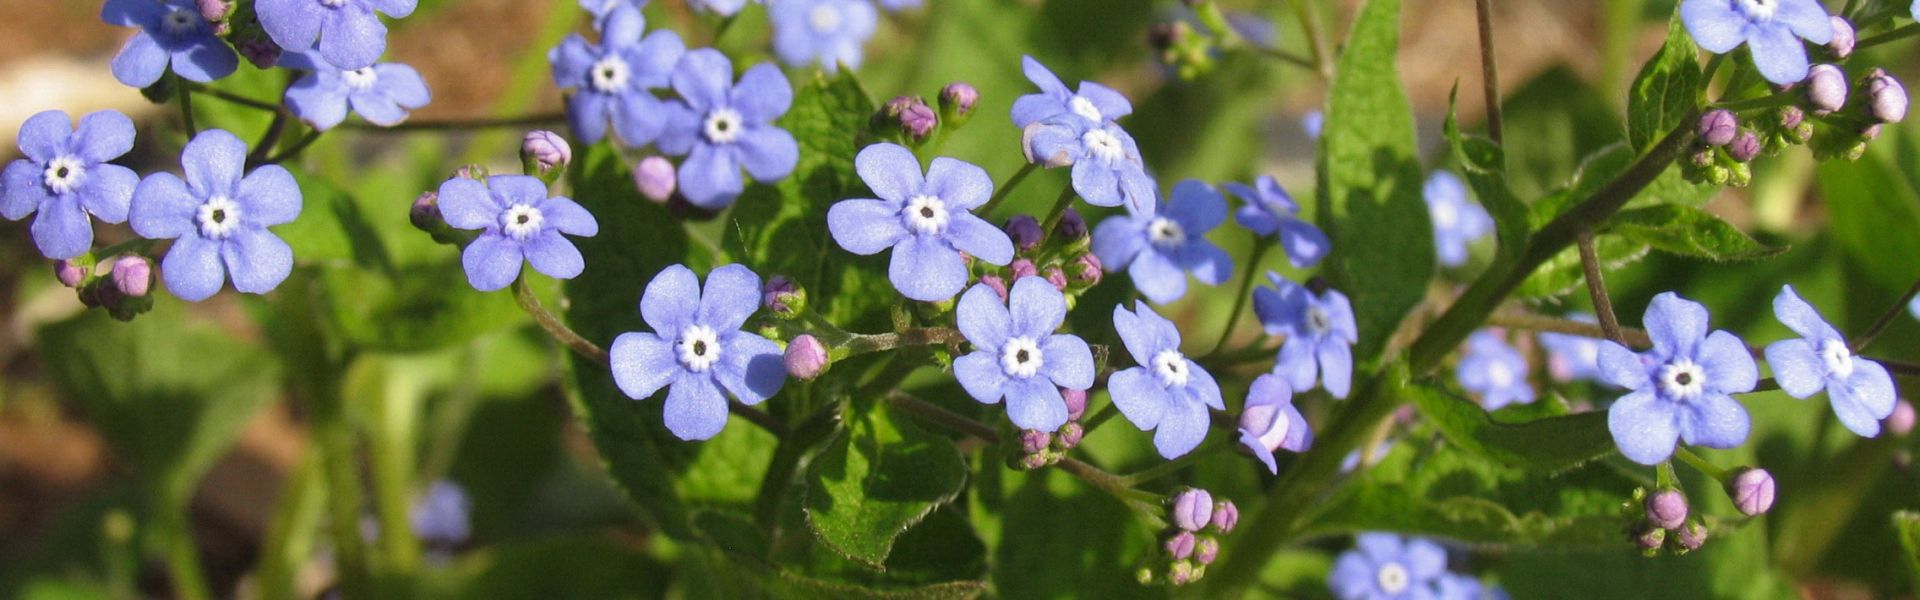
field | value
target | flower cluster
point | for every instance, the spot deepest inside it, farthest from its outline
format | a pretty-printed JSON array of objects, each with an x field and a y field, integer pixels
[
  {"x": 1193, "y": 541},
  {"x": 1383, "y": 566}
]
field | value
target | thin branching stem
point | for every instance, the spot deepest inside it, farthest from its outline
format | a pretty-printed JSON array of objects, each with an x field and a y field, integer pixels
[
  {"x": 1006, "y": 189},
  {"x": 1597, "y": 288},
  {"x": 1886, "y": 318},
  {"x": 1489, "y": 70}
]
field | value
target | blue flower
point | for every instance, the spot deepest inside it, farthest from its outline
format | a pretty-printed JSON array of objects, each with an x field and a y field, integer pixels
[
  {"x": 1320, "y": 334},
  {"x": 1107, "y": 168},
  {"x": 1452, "y": 586},
  {"x": 1573, "y": 357},
  {"x": 899, "y": 5},
  {"x": 829, "y": 32},
  {"x": 382, "y": 94},
  {"x": 1382, "y": 566},
  {"x": 1860, "y": 390},
  {"x": 1913, "y": 308},
  {"x": 1457, "y": 220},
  {"x": 601, "y": 9},
  {"x": 1168, "y": 393},
  {"x": 1312, "y": 122},
  {"x": 1767, "y": 27},
  {"x": 723, "y": 127},
  {"x": 1495, "y": 371},
  {"x": 442, "y": 516},
  {"x": 1095, "y": 104},
  {"x": 614, "y": 80},
  {"x": 65, "y": 177},
  {"x": 1270, "y": 210},
  {"x": 1270, "y": 422},
  {"x": 1680, "y": 388},
  {"x": 924, "y": 219},
  {"x": 1018, "y": 356},
  {"x": 218, "y": 219},
  {"x": 1155, "y": 248},
  {"x": 724, "y": 8},
  {"x": 518, "y": 222},
  {"x": 172, "y": 33},
  {"x": 697, "y": 347},
  {"x": 349, "y": 33}
]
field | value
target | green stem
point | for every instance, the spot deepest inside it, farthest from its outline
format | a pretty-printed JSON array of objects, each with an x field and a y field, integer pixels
[
  {"x": 1900, "y": 33},
  {"x": 1173, "y": 466},
  {"x": 1515, "y": 319},
  {"x": 1489, "y": 71},
  {"x": 1287, "y": 57},
  {"x": 1060, "y": 205},
  {"x": 817, "y": 427},
  {"x": 1316, "y": 43},
  {"x": 1886, "y": 318},
  {"x": 523, "y": 296},
  {"x": 1597, "y": 287},
  {"x": 1006, "y": 189},
  {"x": 186, "y": 106},
  {"x": 1663, "y": 474},
  {"x": 1768, "y": 101},
  {"x": 920, "y": 336},
  {"x": 1700, "y": 464},
  {"x": 289, "y": 538},
  {"x": 334, "y": 439},
  {"x": 1099, "y": 417},
  {"x": 1260, "y": 247},
  {"x": 296, "y": 148},
  {"x": 183, "y": 556},
  {"x": 390, "y": 448}
]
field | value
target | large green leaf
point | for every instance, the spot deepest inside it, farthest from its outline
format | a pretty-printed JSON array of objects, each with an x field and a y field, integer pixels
[
  {"x": 1484, "y": 164},
  {"x": 1563, "y": 273},
  {"x": 882, "y": 476},
  {"x": 1687, "y": 231},
  {"x": 1370, "y": 193},
  {"x": 732, "y": 565},
  {"x": 1550, "y": 444},
  {"x": 1875, "y": 216},
  {"x": 1666, "y": 90},
  {"x": 1554, "y": 121}
]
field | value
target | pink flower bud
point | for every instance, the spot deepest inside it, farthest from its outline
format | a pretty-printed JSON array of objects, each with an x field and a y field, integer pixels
[
  {"x": 1899, "y": 423},
  {"x": 71, "y": 274},
  {"x": 1192, "y": 509},
  {"x": 1077, "y": 403},
  {"x": 806, "y": 357},
  {"x": 1752, "y": 491},
  {"x": 655, "y": 178},
  {"x": 132, "y": 275},
  {"x": 1225, "y": 516},
  {"x": 1180, "y": 546},
  {"x": 1667, "y": 509}
]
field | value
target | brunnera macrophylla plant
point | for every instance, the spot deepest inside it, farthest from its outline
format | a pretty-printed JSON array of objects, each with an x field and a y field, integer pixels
[{"x": 824, "y": 349}]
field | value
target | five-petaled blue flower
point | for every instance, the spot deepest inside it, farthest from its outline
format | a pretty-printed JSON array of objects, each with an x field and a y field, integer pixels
[
  {"x": 65, "y": 177},
  {"x": 1573, "y": 357},
  {"x": 517, "y": 222},
  {"x": 1168, "y": 393},
  {"x": 1158, "y": 249},
  {"x": 172, "y": 33},
  {"x": 697, "y": 347},
  {"x": 1094, "y": 103},
  {"x": 829, "y": 32},
  {"x": 1681, "y": 388},
  {"x": 1457, "y": 220},
  {"x": 1270, "y": 422},
  {"x": 613, "y": 82},
  {"x": 349, "y": 33},
  {"x": 382, "y": 93},
  {"x": 1860, "y": 390},
  {"x": 1771, "y": 29},
  {"x": 926, "y": 220},
  {"x": 1382, "y": 566},
  {"x": 1495, "y": 371},
  {"x": 218, "y": 219},
  {"x": 1270, "y": 210},
  {"x": 1320, "y": 334},
  {"x": 722, "y": 127},
  {"x": 1018, "y": 356},
  {"x": 1107, "y": 168}
]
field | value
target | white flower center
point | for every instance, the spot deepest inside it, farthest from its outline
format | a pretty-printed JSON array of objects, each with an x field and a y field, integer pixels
[
  {"x": 1445, "y": 215},
  {"x": 1838, "y": 358},
  {"x": 824, "y": 18},
  {"x": 1499, "y": 375},
  {"x": 521, "y": 221},
  {"x": 1165, "y": 233},
  {"x": 1171, "y": 366},
  {"x": 359, "y": 79},
  {"x": 609, "y": 75},
  {"x": 180, "y": 21},
  {"x": 1318, "y": 321},
  {"x": 1758, "y": 10},
  {"x": 723, "y": 125},
  {"x": 219, "y": 216},
  {"x": 1103, "y": 145},
  {"x": 1085, "y": 108},
  {"x": 699, "y": 348},
  {"x": 925, "y": 214},
  {"x": 1021, "y": 357},
  {"x": 1392, "y": 578},
  {"x": 1683, "y": 380},
  {"x": 64, "y": 173}
]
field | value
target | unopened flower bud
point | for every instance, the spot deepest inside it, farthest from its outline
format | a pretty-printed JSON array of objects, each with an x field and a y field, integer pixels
[
  {"x": 1886, "y": 97},
  {"x": 1025, "y": 232},
  {"x": 1055, "y": 276},
  {"x": 912, "y": 116},
  {"x": 1752, "y": 491},
  {"x": 1225, "y": 516},
  {"x": 1718, "y": 127},
  {"x": 1647, "y": 537},
  {"x": 1703, "y": 158},
  {"x": 72, "y": 274},
  {"x": 1744, "y": 147},
  {"x": 1073, "y": 227},
  {"x": 1667, "y": 509},
  {"x": 781, "y": 297},
  {"x": 1070, "y": 435},
  {"x": 1901, "y": 421},
  {"x": 1087, "y": 270},
  {"x": 1033, "y": 461},
  {"x": 1826, "y": 89},
  {"x": 475, "y": 172},
  {"x": 1691, "y": 536},
  {"x": 214, "y": 11},
  {"x": 1206, "y": 550},
  {"x": 995, "y": 283},
  {"x": 425, "y": 212},
  {"x": 956, "y": 102},
  {"x": 543, "y": 151},
  {"x": 132, "y": 275},
  {"x": 1192, "y": 509},
  {"x": 1166, "y": 35},
  {"x": 1843, "y": 38},
  {"x": 1077, "y": 403},
  {"x": 1034, "y": 441},
  {"x": 261, "y": 51},
  {"x": 1791, "y": 116},
  {"x": 655, "y": 178},
  {"x": 1181, "y": 573},
  {"x": 806, "y": 357},
  {"x": 1180, "y": 546},
  {"x": 1022, "y": 269}
]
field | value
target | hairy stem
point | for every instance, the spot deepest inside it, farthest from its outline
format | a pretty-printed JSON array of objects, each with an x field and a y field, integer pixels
[
  {"x": 1260, "y": 247},
  {"x": 1489, "y": 71},
  {"x": 1516, "y": 319},
  {"x": 296, "y": 149},
  {"x": 1006, "y": 189},
  {"x": 1861, "y": 341},
  {"x": 1060, "y": 205},
  {"x": 523, "y": 296},
  {"x": 186, "y": 106},
  {"x": 1899, "y": 33},
  {"x": 1700, "y": 464},
  {"x": 921, "y": 336},
  {"x": 1597, "y": 288}
]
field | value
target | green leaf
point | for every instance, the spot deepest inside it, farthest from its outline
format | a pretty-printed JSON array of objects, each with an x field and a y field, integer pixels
[
  {"x": 880, "y": 477},
  {"x": 1554, "y": 121},
  {"x": 1906, "y": 526},
  {"x": 731, "y": 565},
  {"x": 591, "y": 566},
  {"x": 1549, "y": 444},
  {"x": 1666, "y": 90},
  {"x": 1687, "y": 231},
  {"x": 1370, "y": 193},
  {"x": 413, "y": 308},
  {"x": 1484, "y": 164},
  {"x": 1875, "y": 216},
  {"x": 1563, "y": 273}
]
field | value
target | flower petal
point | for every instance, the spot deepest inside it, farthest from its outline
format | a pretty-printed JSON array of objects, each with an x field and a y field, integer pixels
[
  {"x": 163, "y": 208},
  {"x": 43, "y": 137},
  {"x": 1157, "y": 277},
  {"x": 352, "y": 37},
  {"x": 1715, "y": 421},
  {"x": 983, "y": 319},
  {"x": 492, "y": 262},
  {"x": 1139, "y": 396},
  {"x": 751, "y": 368},
  {"x": 974, "y": 235},
  {"x": 109, "y": 192},
  {"x": 637, "y": 117},
  {"x": 1800, "y": 316},
  {"x": 141, "y": 62},
  {"x": 1806, "y": 18},
  {"x": 890, "y": 170},
  {"x": 1197, "y": 207},
  {"x": 695, "y": 409},
  {"x": 1097, "y": 183},
  {"x": 1644, "y": 427},
  {"x": 22, "y": 189},
  {"x": 552, "y": 255},
  {"x": 865, "y": 226},
  {"x": 257, "y": 259},
  {"x": 1296, "y": 363},
  {"x": 1336, "y": 367},
  {"x": 192, "y": 268},
  {"x": 214, "y": 162},
  {"x": 731, "y": 295},
  {"x": 1207, "y": 262},
  {"x": 1069, "y": 362},
  {"x": 1780, "y": 57},
  {"x": 710, "y": 177},
  {"x": 642, "y": 363},
  {"x": 670, "y": 301},
  {"x": 980, "y": 374},
  {"x": 1036, "y": 306},
  {"x": 769, "y": 153},
  {"x": 1202, "y": 387},
  {"x": 1797, "y": 367},
  {"x": 1864, "y": 399},
  {"x": 1117, "y": 240},
  {"x": 962, "y": 185},
  {"x": 703, "y": 78},
  {"x": 103, "y": 136},
  {"x": 1111, "y": 104},
  {"x": 1676, "y": 324},
  {"x": 925, "y": 269},
  {"x": 269, "y": 196},
  {"x": 1714, "y": 24},
  {"x": 204, "y": 59},
  {"x": 1034, "y": 403},
  {"x": 1622, "y": 367},
  {"x": 1181, "y": 430},
  {"x": 62, "y": 229},
  {"x": 1306, "y": 245},
  {"x": 1730, "y": 368},
  {"x": 466, "y": 204},
  {"x": 763, "y": 94},
  {"x": 569, "y": 217}
]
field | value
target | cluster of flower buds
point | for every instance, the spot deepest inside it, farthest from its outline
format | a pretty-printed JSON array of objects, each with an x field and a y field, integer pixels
[
  {"x": 1191, "y": 48},
  {"x": 1846, "y": 115},
  {"x": 912, "y": 121},
  {"x": 123, "y": 290},
  {"x": 1661, "y": 521},
  {"x": 1033, "y": 449},
  {"x": 1721, "y": 150},
  {"x": 1063, "y": 259},
  {"x": 1193, "y": 542},
  {"x": 235, "y": 21}
]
